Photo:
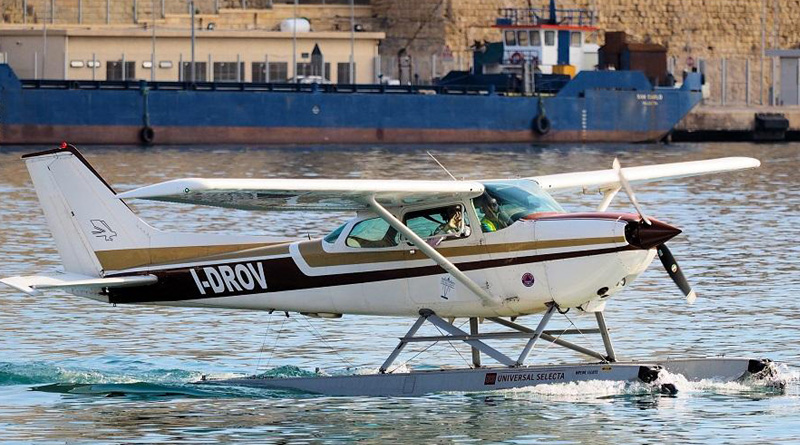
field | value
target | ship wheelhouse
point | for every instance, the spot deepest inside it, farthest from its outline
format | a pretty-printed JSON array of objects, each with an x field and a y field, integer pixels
[{"x": 546, "y": 43}]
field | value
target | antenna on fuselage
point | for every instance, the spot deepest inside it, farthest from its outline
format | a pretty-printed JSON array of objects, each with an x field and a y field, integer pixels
[{"x": 440, "y": 165}]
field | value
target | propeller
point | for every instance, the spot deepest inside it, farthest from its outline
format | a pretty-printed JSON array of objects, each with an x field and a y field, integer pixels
[
  {"x": 628, "y": 190},
  {"x": 664, "y": 254},
  {"x": 675, "y": 272}
]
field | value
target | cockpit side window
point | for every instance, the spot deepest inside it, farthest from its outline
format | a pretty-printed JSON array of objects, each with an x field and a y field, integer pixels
[
  {"x": 489, "y": 214},
  {"x": 504, "y": 202},
  {"x": 372, "y": 233}
]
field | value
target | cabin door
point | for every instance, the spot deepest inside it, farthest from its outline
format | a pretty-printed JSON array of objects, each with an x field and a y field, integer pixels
[{"x": 563, "y": 47}]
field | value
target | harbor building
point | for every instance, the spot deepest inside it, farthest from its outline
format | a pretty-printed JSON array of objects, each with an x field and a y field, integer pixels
[
  {"x": 132, "y": 40},
  {"x": 117, "y": 53}
]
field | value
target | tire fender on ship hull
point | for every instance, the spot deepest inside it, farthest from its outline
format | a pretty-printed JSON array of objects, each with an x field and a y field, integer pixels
[
  {"x": 147, "y": 135},
  {"x": 541, "y": 124}
]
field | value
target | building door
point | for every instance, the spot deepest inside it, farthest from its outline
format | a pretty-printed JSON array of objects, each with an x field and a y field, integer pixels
[
  {"x": 790, "y": 81},
  {"x": 563, "y": 47}
]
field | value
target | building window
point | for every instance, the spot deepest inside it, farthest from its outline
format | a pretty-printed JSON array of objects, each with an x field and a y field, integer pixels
[
  {"x": 511, "y": 38},
  {"x": 303, "y": 69},
  {"x": 165, "y": 64},
  {"x": 228, "y": 72},
  {"x": 343, "y": 72},
  {"x": 258, "y": 72},
  {"x": 536, "y": 38},
  {"x": 306, "y": 70},
  {"x": 575, "y": 39},
  {"x": 278, "y": 71},
  {"x": 199, "y": 72},
  {"x": 114, "y": 70},
  {"x": 549, "y": 38}
]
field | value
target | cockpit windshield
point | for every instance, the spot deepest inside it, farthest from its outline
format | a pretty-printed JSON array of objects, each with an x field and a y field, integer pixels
[{"x": 504, "y": 202}]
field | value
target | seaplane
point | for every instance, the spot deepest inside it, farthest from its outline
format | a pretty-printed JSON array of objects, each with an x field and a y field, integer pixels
[{"x": 487, "y": 251}]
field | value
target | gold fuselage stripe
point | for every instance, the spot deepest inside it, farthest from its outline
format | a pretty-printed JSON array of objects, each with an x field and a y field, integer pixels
[
  {"x": 130, "y": 258},
  {"x": 314, "y": 255}
]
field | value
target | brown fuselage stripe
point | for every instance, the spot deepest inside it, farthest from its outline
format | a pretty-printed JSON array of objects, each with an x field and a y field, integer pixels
[{"x": 282, "y": 274}]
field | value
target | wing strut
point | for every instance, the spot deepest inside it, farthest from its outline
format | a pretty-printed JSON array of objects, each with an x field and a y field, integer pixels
[
  {"x": 488, "y": 299},
  {"x": 608, "y": 196}
]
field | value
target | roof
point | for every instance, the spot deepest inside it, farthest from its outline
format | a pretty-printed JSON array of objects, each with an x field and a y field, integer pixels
[{"x": 137, "y": 31}]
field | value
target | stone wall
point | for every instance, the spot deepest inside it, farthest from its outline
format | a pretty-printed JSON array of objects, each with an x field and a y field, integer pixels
[{"x": 692, "y": 30}]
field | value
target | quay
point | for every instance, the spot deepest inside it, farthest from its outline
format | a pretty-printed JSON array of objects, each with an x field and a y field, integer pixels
[{"x": 742, "y": 123}]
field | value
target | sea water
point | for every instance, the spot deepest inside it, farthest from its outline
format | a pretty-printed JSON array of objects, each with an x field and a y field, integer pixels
[{"x": 74, "y": 370}]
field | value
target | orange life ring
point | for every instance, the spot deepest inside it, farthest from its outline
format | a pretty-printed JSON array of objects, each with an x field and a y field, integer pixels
[{"x": 516, "y": 58}]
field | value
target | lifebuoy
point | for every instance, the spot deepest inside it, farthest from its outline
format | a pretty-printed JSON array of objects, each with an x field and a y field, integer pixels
[
  {"x": 147, "y": 134},
  {"x": 516, "y": 58},
  {"x": 541, "y": 124}
]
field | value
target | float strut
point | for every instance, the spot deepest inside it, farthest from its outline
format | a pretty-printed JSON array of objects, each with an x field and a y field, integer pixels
[
  {"x": 423, "y": 315},
  {"x": 476, "y": 353},
  {"x": 536, "y": 335},
  {"x": 601, "y": 323},
  {"x": 475, "y": 343}
]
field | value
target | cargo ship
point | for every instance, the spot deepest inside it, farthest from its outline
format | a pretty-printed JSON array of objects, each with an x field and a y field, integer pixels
[{"x": 539, "y": 84}]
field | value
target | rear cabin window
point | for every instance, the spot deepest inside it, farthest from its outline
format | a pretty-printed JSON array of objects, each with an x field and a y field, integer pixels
[
  {"x": 333, "y": 236},
  {"x": 522, "y": 38},
  {"x": 372, "y": 233},
  {"x": 575, "y": 39},
  {"x": 549, "y": 38},
  {"x": 511, "y": 38},
  {"x": 536, "y": 38}
]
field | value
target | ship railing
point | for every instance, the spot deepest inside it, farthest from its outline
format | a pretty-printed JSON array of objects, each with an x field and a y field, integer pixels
[
  {"x": 47, "y": 84},
  {"x": 541, "y": 16}
]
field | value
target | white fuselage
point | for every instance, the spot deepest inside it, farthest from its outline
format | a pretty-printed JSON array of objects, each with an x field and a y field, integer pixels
[{"x": 574, "y": 260}]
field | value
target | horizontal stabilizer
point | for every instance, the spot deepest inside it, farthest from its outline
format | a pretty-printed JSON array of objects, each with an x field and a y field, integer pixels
[
  {"x": 609, "y": 179},
  {"x": 31, "y": 285}
]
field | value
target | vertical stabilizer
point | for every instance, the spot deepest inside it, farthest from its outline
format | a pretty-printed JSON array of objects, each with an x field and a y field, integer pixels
[{"x": 81, "y": 210}]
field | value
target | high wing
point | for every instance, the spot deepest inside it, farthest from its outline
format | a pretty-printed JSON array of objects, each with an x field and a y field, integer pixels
[
  {"x": 604, "y": 180},
  {"x": 304, "y": 194},
  {"x": 355, "y": 194}
]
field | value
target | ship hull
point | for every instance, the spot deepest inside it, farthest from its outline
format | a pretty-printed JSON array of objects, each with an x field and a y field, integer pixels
[
  {"x": 105, "y": 113},
  {"x": 130, "y": 135}
]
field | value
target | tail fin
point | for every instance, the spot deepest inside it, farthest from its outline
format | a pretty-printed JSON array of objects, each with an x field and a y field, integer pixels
[{"x": 81, "y": 210}]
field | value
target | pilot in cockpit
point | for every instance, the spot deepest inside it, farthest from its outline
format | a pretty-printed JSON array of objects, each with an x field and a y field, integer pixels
[{"x": 489, "y": 213}]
